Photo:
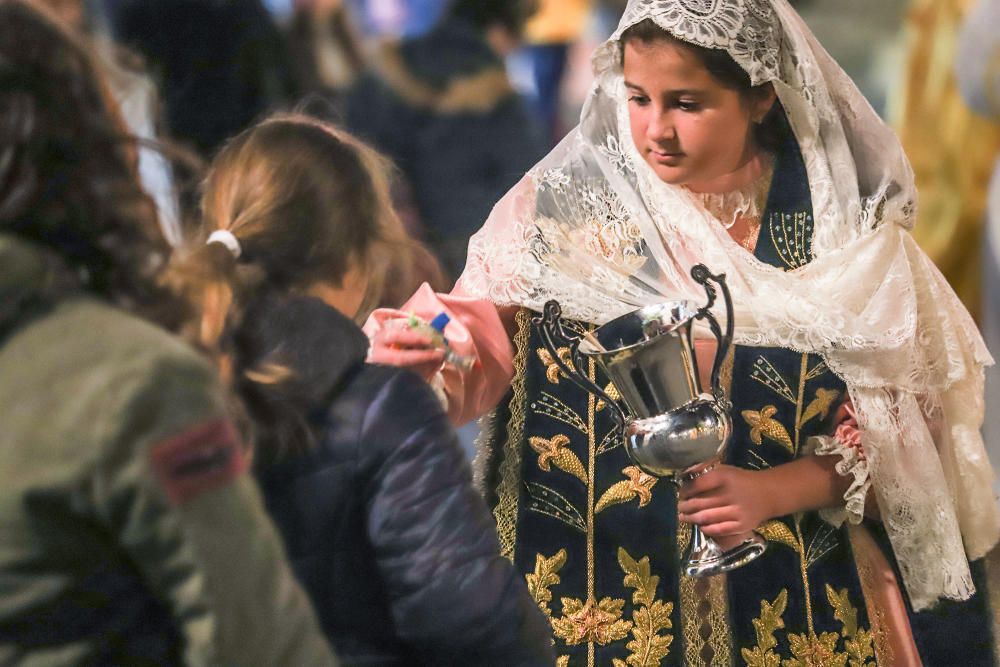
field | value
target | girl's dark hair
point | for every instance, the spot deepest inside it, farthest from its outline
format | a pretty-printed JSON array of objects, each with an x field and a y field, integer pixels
[
  {"x": 772, "y": 132},
  {"x": 306, "y": 202},
  {"x": 68, "y": 168}
]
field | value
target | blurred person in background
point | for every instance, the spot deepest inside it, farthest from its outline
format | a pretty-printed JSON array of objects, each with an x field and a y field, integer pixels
[
  {"x": 359, "y": 466},
  {"x": 138, "y": 102},
  {"x": 549, "y": 34},
  {"x": 325, "y": 53},
  {"x": 131, "y": 531},
  {"x": 400, "y": 19},
  {"x": 442, "y": 107},
  {"x": 977, "y": 68},
  {"x": 951, "y": 149},
  {"x": 220, "y": 64}
]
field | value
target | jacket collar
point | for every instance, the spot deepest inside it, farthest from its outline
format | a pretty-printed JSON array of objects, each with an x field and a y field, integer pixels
[{"x": 320, "y": 346}]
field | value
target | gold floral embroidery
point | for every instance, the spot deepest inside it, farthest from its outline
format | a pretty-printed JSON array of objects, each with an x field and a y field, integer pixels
[
  {"x": 777, "y": 531},
  {"x": 815, "y": 651},
  {"x": 638, "y": 484},
  {"x": 612, "y": 391},
  {"x": 763, "y": 423},
  {"x": 545, "y": 576},
  {"x": 555, "y": 450},
  {"x": 562, "y": 661},
  {"x": 593, "y": 622},
  {"x": 820, "y": 405},
  {"x": 765, "y": 625},
  {"x": 810, "y": 649},
  {"x": 649, "y": 618},
  {"x": 858, "y": 643},
  {"x": 552, "y": 371}
]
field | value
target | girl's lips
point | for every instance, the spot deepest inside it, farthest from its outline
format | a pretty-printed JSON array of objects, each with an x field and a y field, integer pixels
[{"x": 666, "y": 158}]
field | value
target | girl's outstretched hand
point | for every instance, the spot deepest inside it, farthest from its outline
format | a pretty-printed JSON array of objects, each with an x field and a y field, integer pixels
[
  {"x": 407, "y": 349},
  {"x": 726, "y": 501}
]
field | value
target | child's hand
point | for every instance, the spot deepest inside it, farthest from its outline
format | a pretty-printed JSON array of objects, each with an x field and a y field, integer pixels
[
  {"x": 407, "y": 349},
  {"x": 726, "y": 501}
]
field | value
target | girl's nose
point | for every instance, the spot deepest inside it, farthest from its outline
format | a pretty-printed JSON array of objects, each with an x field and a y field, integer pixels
[{"x": 660, "y": 128}]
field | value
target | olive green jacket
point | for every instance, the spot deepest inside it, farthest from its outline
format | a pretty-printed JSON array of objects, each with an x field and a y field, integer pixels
[{"x": 130, "y": 532}]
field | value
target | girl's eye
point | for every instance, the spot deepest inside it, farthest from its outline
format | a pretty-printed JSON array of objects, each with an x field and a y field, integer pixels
[
  {"x": 640, "y": 100},
  {"x": 688, "y": 105}
]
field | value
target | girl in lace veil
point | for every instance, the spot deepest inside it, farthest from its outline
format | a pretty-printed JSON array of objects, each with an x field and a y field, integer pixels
[{"x": 856, "y": 381}]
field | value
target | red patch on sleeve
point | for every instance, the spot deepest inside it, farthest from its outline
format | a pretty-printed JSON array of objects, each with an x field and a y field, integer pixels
[{"x": 200, "y": 459}]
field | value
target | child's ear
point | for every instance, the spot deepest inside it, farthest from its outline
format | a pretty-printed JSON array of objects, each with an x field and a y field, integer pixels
[{"x": 762, "y": 101}]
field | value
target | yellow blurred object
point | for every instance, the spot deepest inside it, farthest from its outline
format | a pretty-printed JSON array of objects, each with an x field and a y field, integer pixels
[
  {"x": 557, "y": 22},
  {"x": 952, "y": 150}
]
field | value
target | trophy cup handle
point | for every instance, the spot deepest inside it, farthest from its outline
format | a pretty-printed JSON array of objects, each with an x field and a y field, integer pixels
[
  {"x": 552, "y": 331},
  {"x": 704, "y": 277}
]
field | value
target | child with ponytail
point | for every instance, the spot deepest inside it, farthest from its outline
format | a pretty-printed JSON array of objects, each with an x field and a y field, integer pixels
[{"x": 358, "y": 464}]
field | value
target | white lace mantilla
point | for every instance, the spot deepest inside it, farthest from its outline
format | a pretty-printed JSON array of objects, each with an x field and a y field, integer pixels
[
  {"x": 593, "y": 227},
  {"x": 747, "y": 29}
]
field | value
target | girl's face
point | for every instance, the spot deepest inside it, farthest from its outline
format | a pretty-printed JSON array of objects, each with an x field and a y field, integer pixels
[{"x": 688, "y": 127}]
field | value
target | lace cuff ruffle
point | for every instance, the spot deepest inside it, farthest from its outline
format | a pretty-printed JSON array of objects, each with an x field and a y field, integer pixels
[
  {"x": 852, "y": 463},
  {"x": 845, "y": 443}
]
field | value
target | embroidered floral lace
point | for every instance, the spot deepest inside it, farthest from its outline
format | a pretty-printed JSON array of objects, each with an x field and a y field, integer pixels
[{"x": 592, "y": 226}]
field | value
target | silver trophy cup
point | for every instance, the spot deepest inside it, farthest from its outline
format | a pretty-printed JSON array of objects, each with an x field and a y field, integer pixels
[{"x": 676, "y": 430}]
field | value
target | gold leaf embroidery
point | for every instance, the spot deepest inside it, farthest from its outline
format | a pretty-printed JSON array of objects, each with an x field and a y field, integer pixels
[
  {"x": 765, "y": 625},
  {"x": 545, "y": 576},
  {"x": 820, "y": 405},
  {"x": 555, "y": 450},
  {"x": 777, "y": 531},
  {"x": 552, "y": 371},
  {"x": 843, "y": 611},
  {"x": 860, "y": 648},
  {"x": 815, "y": 651},
  {"x": 612, "y": 391},
  {"x": 763, "y": 423},
  {"x": 649, "y": 647},
  {"x": 593, "y": 622},
  {"x": 858, "y": 643},
  {"x": 562, "y": 661},
  {"x": 638, "y": 484},
  {"x": 651, "y": 616},
  {"x": 637, "y": 576}
]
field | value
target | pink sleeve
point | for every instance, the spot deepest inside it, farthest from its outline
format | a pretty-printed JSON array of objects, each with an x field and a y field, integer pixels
[
  {"x": 475, "y": 330},
  {"x": 846, "y": 431}
]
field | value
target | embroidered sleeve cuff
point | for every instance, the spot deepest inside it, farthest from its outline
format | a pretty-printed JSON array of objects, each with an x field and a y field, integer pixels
[{"x": 852, "y": 463}]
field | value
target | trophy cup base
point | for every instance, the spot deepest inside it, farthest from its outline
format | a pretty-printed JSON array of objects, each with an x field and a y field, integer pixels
[{"x": 706, "y": 558}]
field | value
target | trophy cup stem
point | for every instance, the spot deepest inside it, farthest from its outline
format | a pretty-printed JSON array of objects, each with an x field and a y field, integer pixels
[{"x": 705, "y": 557}]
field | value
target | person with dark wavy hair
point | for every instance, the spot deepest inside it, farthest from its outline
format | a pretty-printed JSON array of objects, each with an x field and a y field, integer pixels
[{"x": 124, "y": 489}]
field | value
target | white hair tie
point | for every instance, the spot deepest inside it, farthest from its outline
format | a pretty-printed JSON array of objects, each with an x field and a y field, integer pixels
[{"x": 226, "y": 238}]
